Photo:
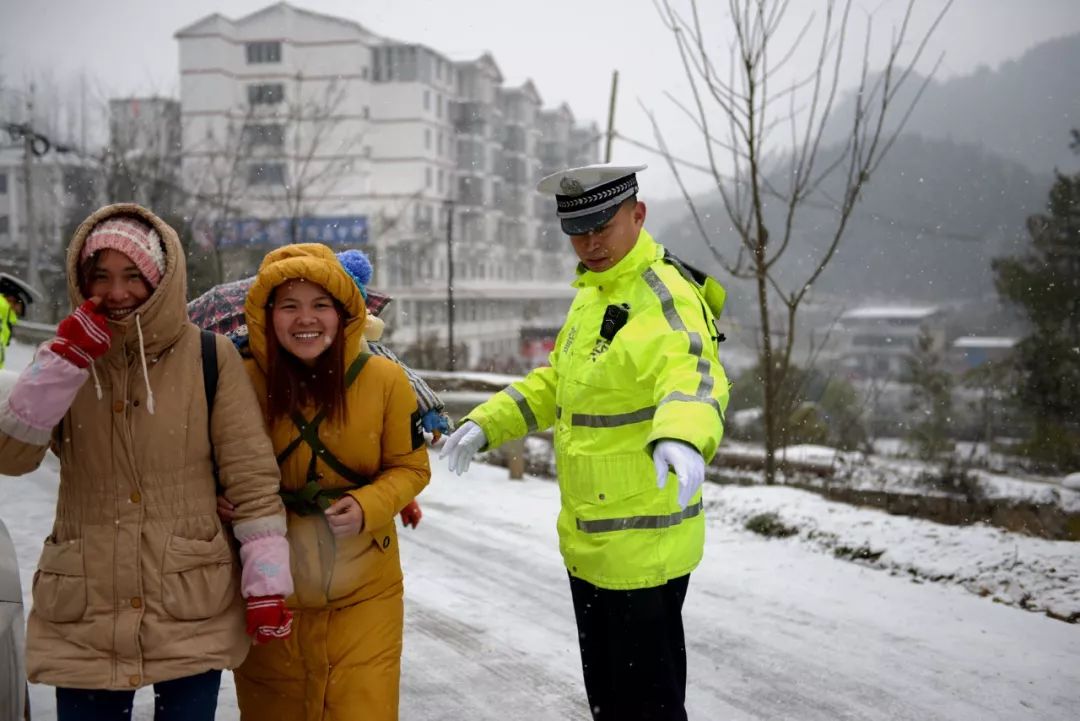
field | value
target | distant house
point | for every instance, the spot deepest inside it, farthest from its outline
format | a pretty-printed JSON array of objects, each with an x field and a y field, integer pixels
[
  {"x": 876, "y": 341},
  {"x": 973, "y": 351}
]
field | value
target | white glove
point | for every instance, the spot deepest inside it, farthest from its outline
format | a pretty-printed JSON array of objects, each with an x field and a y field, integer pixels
[
  {"x": 688, "y": 464},
  {"x": 462, "y": 445}
]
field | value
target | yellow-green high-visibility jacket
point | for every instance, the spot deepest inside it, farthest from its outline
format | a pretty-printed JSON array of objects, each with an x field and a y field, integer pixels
[
  {"x": 8, "y": 319},
  {"x": 658, "y": 378}
]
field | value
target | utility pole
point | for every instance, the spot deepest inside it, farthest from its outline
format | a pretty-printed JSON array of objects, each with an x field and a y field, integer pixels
[
  {"x": 28, "y": 191},
  {"x": 450, "y": 282},
  {"x": 611, "y": 116}
]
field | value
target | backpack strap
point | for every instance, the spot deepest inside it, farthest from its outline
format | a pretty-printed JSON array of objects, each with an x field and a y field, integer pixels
[
  {"x": 710, "y": 293},
  {"x": 350, "y": 375},
  {"x": 208, "y": 341},
  {"x": 312, "y": 497}
]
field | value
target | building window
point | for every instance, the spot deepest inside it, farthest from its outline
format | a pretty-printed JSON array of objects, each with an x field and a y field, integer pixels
[
  {"x": 264, "y": 52},
  {"x": 440, "y": 150},
  {"x": 266, "y": 174},
  {"x": 438, "y": 105},
  {"x": 364, "y": 73},
  {"x": 442, "y": 181},
  {"x": 427, "y": 138},
  {"x": 3, "y": 183},
  {"x": 4, "y": 224},
  {"x": 427, "y": 177},
  {"x": 265, "y": 93},
  {"x": 269, "y": 136},
  {"x": 367, "y": 151},
  {"x": 427, "y": 100}
]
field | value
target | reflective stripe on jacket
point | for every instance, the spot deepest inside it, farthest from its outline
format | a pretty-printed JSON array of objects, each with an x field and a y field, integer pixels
[{"x": 610, "y": 402}]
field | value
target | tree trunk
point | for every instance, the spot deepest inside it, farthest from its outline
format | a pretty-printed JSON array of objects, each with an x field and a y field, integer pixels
[{"x": 768, "y": 374}]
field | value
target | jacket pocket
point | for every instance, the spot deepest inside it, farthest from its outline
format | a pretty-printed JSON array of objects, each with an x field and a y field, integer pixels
[
  {"x": 59, "y": 586},
  {"x": 594, "y": 486},
  {"x": 360, "y": 561},
  {"x": 197, "y": 577}
]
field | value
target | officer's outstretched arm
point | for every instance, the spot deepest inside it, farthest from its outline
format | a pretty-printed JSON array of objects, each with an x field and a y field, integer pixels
[{"x": 523, "y": 407}]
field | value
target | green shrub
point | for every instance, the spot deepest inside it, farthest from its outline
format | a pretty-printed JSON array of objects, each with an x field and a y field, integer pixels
[{"x": 770, "y": 526}]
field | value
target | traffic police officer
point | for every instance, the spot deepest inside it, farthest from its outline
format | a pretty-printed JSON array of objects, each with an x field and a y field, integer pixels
[
  {"x": 634, "y": 390},
  {"x": 15, "y": 296}
]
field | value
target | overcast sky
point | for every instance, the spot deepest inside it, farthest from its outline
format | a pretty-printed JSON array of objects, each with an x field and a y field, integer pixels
[{"x": 567, "y": 47}]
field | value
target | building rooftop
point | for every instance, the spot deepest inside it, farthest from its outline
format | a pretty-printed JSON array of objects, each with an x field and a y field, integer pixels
[
  {"x": 891, "y": 312},
  {"x": 982, "y": 341}
]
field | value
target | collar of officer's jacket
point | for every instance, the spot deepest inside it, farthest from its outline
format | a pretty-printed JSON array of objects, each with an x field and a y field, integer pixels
[{"x": 645, "y": 251}]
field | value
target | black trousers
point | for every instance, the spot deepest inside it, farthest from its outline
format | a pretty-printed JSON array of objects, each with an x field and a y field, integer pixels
[{"x": 633, "y": 652}]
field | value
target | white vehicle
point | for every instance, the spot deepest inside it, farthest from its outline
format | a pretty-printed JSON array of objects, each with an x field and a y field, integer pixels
[{"x": 13, "y": 702}]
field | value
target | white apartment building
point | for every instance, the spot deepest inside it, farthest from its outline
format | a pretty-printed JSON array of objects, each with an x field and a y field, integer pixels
[{"x": 302, "y": 126}]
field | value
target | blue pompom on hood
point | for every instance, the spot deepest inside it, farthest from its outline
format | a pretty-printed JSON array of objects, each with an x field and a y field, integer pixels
[{"x": 358, "y": 267}]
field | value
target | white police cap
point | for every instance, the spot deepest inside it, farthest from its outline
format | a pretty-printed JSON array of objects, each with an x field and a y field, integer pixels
[
  {"x": 10, "y": 285},
  {"x": 588, "y": 197}
]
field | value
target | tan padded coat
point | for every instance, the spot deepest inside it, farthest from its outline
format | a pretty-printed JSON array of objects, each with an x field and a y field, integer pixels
[{"x": 137, "y": 583}]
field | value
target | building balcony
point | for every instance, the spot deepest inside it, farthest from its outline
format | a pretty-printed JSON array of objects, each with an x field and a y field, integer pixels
[{"x": 473, "y": 118}]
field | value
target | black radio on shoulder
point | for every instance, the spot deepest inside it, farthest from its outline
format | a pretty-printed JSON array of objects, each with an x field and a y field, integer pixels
[{"x": 615, "y": 317}]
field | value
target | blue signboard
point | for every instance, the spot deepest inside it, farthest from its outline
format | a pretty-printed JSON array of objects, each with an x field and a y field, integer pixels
[{"x": 335, "y": 231}]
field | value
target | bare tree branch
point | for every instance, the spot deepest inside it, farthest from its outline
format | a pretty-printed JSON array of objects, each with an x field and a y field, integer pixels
[{"x": 747, "y": 106}]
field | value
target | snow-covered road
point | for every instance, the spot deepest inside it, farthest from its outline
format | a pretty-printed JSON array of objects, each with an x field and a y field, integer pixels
[{"x": 775, "y": 630}]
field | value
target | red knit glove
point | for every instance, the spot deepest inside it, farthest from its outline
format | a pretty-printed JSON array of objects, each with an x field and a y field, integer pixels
[
  {"x": 268, "y": 618},
  {"x": 83, "y": 336},
  {"x": 411, "y": 515}
]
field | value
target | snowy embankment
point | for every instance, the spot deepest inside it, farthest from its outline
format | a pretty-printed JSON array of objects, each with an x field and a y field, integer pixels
[
  {"x": 1010, "y": 568},
  {"x": 892, "y": 474}
]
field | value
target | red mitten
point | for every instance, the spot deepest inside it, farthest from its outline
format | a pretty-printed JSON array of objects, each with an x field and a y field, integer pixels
[
  {"x": 268, "y": 618},
  {"x": 411, "y": 515},
  {"x": 83, "y": 336}
]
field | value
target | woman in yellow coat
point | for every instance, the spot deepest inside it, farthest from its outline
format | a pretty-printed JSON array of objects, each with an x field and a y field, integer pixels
[{"x": 347, "y": 433}]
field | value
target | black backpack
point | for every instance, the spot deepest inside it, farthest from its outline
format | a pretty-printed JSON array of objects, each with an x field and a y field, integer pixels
[{"x": 209, "y": 379}]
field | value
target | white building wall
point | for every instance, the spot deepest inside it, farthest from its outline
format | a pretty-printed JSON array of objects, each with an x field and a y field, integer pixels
[{"x": 395, "y": 139}]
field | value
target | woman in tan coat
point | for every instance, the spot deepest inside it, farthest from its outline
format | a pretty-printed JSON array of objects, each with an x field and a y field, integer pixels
[
  {"x": 350, "y": 444},
  {"x": 137, "y": 583}
]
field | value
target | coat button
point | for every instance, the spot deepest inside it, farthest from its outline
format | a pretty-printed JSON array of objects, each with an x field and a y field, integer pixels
[
  {"x": 135, "y": 497},
  {"x": 386, "y": 542},
  {"x": 602, "y": 496},
  {"x": 134, "y": 679},
  {"x": 118, "y": 407},
  {"x": 136, "y": 602},
  {"x": 135, "y": 403}
]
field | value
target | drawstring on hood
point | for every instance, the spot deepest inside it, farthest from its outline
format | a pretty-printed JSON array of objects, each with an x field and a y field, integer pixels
[
  {"x": 97, "y": 382},
  {"x": 145, "y": 375}
]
